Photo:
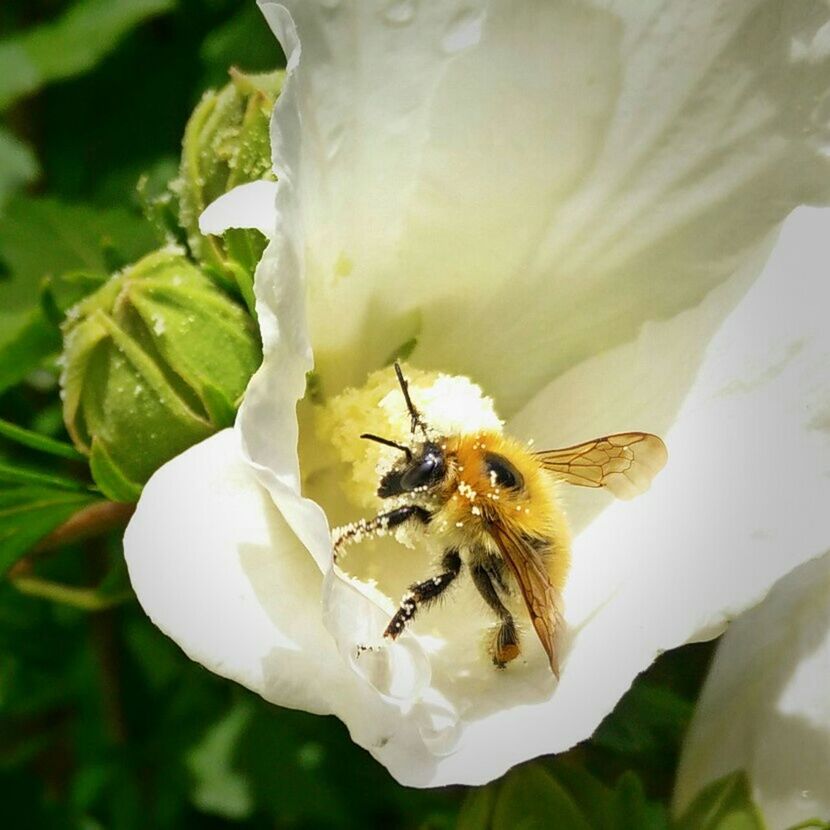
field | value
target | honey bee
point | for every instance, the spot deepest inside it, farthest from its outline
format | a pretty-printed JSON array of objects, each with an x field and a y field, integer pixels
[{"x": 492, "y": 504}]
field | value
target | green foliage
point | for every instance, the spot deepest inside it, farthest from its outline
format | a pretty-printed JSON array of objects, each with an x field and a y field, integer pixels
[
  {"x": 648, "y": 718},
  {"x": 726, "y": 804},
  {"x": 532, "y": 799},
  {"x": 37, "y": 441},
  {"x": 104, "y": 723},
  {"x": 41, "y": 240},
  {"x": 562, "y": 795},
  {"x": 17, "y": 164},
  {"x": 72, "y": 44},
  {"x": 30, "y": 511}
]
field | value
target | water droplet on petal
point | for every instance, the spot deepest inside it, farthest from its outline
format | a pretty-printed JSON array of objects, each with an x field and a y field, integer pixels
[
  {"x": 399, "y": 12},
  {"x": 464, "y": 31}
]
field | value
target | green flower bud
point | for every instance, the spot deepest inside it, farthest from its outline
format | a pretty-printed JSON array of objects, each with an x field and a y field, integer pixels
[
  {"x": 226, "y": 143},
  {"x": 154, "y": 361}
]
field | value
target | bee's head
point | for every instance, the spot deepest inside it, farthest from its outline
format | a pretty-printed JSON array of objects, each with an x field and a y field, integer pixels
[
  {"x": 423, "y": 467},
  {"x": 420, "y": 470}
]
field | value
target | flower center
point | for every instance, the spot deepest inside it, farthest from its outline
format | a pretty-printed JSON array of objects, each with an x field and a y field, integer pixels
[{"x": 447, "y": 404}]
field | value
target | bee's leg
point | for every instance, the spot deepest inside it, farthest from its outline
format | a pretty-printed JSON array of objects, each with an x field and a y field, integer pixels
[
  {"x": 423, "y": 593},
  {"x": 506, "y": 643},
  {"x": 381, "y": 524}
]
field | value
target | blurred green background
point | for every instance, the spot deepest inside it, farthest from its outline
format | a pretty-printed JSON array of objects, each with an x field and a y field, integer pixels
[{"x": 103, "y": 722}]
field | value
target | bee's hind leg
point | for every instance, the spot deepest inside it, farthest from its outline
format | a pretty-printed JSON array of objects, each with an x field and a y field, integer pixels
[
  {"x": 506, "y": 642},
  {"x": 423, "y": 593}
]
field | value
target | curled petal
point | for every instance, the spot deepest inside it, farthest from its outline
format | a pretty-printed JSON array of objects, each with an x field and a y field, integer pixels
[
  {"x": 765, "y": 708},
  {"x": 216, "y": 568},
  {"x": 249, "y": 205}
]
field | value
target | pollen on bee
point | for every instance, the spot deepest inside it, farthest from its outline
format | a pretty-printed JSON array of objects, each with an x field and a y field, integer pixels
[
  {"x": 476, "y": 510},
  {"x": 459, "y": 524},
  {"x": 449, "y": 405},
  {"x": 466, "y": 491}
]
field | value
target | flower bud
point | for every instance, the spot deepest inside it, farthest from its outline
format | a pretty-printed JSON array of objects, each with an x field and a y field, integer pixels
[
  {"x": 226, "y": 143},
  {"x": 154, "y": 361}
]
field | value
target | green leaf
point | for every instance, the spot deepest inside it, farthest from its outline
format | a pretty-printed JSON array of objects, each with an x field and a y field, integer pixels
[
  {"x": 632, "y": 810},
  {"x": 29, "y": 339},
  {"x": 648, "y": 719},
  {"x": 594, "y": 799},
  {"x": 23, "y": 475},
  {"x": 17, "y": 164},
  {"x": 725, "y": 804},
  {"x": 44, "y": 237},
  {"x": 36, "y": 441},
  {"x": 531, "y": 799},
  {"x": 218, "y": 787},
  {"x": 477, "y": 809},
  {"x": 70, "y": 45},
  {"x": 27, "y": 514},
  {"x": 41, "y": 237}
]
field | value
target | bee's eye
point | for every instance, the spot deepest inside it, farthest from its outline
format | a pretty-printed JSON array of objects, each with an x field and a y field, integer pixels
[
  {"x": 503, "y": 472},
  {"x": 428, "y": 470}
]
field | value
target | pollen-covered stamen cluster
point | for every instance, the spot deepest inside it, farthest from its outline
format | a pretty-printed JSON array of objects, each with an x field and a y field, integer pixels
[{"x": 448, "y": 405}]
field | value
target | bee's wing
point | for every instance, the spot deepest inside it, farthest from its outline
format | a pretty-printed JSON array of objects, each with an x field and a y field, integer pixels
[
  {"x": 624, "y": 463},
  {"x": 541, "y": 598}
]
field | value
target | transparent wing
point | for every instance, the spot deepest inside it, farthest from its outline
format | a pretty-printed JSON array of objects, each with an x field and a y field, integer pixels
[
  {"x": 624, "y": 463},
  {"x": 541, "y": 598}
]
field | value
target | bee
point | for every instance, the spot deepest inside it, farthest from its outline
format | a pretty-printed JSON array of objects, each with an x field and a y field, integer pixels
[{"x": 492, "y": 504}]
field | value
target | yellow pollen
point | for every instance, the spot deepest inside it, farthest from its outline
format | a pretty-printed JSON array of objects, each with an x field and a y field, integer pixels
[{"x": 448, "y": 404}]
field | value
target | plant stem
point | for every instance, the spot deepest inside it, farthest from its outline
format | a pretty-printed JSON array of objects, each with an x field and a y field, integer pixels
[
  {"x": 93, "y": 520},
  {"x": 87, "y": 599}
]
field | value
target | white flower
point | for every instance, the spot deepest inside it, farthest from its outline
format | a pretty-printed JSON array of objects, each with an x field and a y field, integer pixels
[
  {"x": 568, "y": 203},
  {"x": 765, "y": 708}
]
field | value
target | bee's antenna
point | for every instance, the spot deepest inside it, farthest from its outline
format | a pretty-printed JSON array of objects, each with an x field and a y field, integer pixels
[
  {"x": 405, "y": 450},
  {"x": 417, "y": 421}
]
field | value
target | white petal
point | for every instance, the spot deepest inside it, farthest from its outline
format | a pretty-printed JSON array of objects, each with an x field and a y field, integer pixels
[
  {"x": 216, "y": 568},
  {"x": 741, "y": 502},
  {"x": 521, "y": 186},
  {"x": 765, "y": 707},
  {"x": 515, "y": 244},
  {"x": 249, "y": 205}
]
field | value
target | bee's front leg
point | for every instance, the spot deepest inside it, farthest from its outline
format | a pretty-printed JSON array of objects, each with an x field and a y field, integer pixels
[
  {"x": 423, "y": 593},
  {"x": 381, "y": 524}
]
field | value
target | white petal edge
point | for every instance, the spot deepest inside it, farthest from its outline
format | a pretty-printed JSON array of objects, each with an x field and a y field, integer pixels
[
  {"x": 765, "y": 708},
  {"x": 217, "y": 569},
  {"x": 251, "y": 206}
]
